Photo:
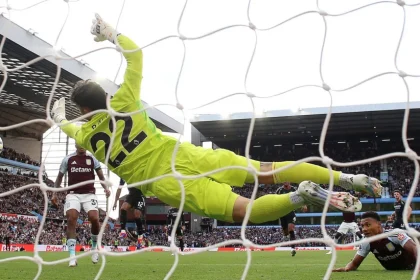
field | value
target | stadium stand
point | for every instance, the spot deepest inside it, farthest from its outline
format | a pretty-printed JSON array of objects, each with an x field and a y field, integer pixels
[
  {"x": 23, "y": 231},
  {"x": 9, "y": 153}
]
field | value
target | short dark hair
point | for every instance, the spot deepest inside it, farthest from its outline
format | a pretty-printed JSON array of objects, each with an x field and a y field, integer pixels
[
  {"x": 89, "y": 94},
  {"x": 371, "y": 214},
  {"x": 398, "y": 191}
]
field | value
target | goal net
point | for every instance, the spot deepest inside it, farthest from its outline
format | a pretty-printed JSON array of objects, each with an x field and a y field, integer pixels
[{"x": 335, "y": 62}]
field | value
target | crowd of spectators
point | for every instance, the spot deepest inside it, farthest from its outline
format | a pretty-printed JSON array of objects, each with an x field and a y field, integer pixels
[
  {"x": 11, "y": 154},
  {"x": 400, "y": 172},
  {"x": 27, "y": 200},
  {"x": 23, "y": 231}
]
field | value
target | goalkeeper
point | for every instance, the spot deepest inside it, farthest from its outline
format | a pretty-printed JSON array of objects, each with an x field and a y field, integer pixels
[{"x": 141, "y": 152}]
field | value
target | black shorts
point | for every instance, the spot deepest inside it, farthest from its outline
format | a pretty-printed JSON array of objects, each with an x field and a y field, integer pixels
[
  {"x": 179, "y": 232},
  {"x": 288, "y": 219},
  {"x": 115, "y": 246},
  {"x": 136, "y": 200},
  {"x": 398, "y": 224}
]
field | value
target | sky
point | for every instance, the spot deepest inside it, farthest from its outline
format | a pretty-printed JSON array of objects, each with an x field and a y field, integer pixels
[{"x": 358, "y": 45}]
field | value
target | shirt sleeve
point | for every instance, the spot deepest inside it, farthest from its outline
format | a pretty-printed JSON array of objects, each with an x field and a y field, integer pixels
[
  {"x": 96, "y": 163},
  {"x": 399, "y": 237},
  {"x": 73, "y": 131},
  {"x": 63, "y": 166},
  {"x": 364, "y": 250},
  {"x": 130, "y": 88}
]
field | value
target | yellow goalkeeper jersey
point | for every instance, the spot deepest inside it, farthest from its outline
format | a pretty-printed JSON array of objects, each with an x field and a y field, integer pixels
[{"x": 137, "y": 141}]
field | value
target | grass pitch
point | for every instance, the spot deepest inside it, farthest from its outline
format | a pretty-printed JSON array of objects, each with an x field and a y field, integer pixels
[{"x": 209, "y": 265}]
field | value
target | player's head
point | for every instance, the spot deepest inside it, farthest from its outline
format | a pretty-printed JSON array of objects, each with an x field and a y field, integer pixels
[
  {"x": 88, "y": 96},
  {"x": 371, "y": 224},
  {"x": 397, "y": 195},
  {"x": 80, "y": 150}
]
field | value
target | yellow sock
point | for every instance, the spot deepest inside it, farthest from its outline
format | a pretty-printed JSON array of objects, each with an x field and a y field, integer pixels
[
  {"x": 303, "y": 172},
  {"x": 271, "y": 207}
]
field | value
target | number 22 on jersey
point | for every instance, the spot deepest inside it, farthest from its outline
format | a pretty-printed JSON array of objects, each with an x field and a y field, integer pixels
[{"x": 128, "y": 145}]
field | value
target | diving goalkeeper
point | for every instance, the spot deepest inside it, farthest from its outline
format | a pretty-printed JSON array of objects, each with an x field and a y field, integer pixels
[{"x": 141, "y": 152}]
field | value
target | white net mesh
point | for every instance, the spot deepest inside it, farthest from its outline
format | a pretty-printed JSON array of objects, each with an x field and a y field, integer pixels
[{"x": 252, "y": 28}]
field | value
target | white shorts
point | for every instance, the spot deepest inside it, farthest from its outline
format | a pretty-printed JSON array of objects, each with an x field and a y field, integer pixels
[
  {"x": 89, "y": 201},
  {"x": 348, "y": 227}
]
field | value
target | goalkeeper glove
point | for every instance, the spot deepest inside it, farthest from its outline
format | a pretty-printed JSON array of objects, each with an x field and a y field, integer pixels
[
  {"x": 58, "y": 111},
  {"x": 102, "y": 30}
]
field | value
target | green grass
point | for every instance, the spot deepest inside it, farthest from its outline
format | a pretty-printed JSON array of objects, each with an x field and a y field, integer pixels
[{"x": 204, "y": 266}]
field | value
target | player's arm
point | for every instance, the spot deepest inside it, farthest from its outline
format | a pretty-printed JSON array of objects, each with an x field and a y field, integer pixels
[
  {"x": 72, "y": 130},
  {"x": 361, "y": 254},
  {"x": 409, "y": 211},
  {"x": 353, "y": 265},
  {"x": 411, "y": 249},
  {"x": 58, "y": 113},
  {"x": 169, "y": 218},
  {"x": 59, "y": 180},
  {"x": 182, "y": 219},
  {"x": 117, "y": 196},
  {"x": 98, "y": 170},
  {"x": 130, "y": 88},
  {"x": 57, "y": 184},
  {"x": 118, "y": 193},
  {"x": 102, "y": 178}
]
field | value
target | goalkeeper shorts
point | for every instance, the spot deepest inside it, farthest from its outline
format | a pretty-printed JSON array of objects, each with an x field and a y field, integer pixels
[
  {"x": 194, "y": 160},
  {"x": 203, "y": 196}
]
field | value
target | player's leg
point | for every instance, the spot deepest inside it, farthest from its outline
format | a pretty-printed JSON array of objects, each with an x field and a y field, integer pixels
[
  {"x": 207, "y": 197},
  {"x": 123, "y": 215},
  {"x": 398, "y": 224},
  {"x": 341, "y": 232},
  {"x": 138, "y": 203},
  {"x": 338, "y": 237},
  {"x": 288, "y": 226},
  {"x": 138, "y": 218},
  {"x": 71, "y": 210},
  {"x": 319, "y": 175},
  {"x": 272, "y": 206},
  {"x": 291, "y": 229},
  {"x": 90, "y": 206},
  {"x": 180, "y": 236},
  {"x": 93, "y": 217},
  {"x": 284, "y": 226},
  {"x": 356, "y": 230},
  {"x": 205, "y": 160},
  {"x": 140, "y": 208}
]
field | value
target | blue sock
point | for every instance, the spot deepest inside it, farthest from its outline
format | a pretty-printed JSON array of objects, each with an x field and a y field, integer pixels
[
  {"x": 94, "y": 241},
  {"x": 71, "y": 244}
]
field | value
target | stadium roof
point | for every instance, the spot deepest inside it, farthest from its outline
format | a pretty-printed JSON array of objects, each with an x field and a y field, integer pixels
[
  {"x": 363, "y": 122},
  {"x": 26, "y": 92}
]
